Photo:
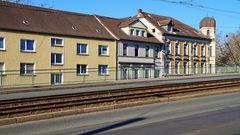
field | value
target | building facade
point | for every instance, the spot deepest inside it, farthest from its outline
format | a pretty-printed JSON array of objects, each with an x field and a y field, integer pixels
[
  {"x": 139, "y": 53},
  {"x": 44, "y": 46},
  {"x": 36, "y": 52},
  {"x": 187, "y": 50}
]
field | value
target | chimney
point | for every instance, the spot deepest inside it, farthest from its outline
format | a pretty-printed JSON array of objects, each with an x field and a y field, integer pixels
[{"x": 139, "y": 12}]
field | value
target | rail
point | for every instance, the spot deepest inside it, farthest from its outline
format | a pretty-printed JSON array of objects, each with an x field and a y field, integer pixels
[{"x": 39, "y": 105}]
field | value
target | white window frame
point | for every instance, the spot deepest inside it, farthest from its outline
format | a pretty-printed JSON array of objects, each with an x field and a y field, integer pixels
[
  {"x": 3, "y": 68},
  {"x": 101, "y": 50},
  {"x": 203, "y": 51},
  {"x": 210, "y": 51},
  {"x": 34, "y": 45},
  {"x": 138, "y": 33},
  {"x": 177, "y": 51},
  {"x": 208, "y": 33},
  {"x": 169, "y": 28},
  {"x": 99, "y": 70},
  {"x": 185, "y": 50},
  {"x": 55, "y": 63},
  {"x": 131, "y": 32},
  {"x": 79, "y": 73},
  {"x": 54, "y": 83},
  {"x": 143, "y": 33},
  {"x": 147, "y": 52},
  {"x": 25, "y": 69},
  {"x": 125, "y": 50},
  {"x": 3, "y": 43},
  {"x": 79, "y": 44},
  {"x": 55, "y": 44},
  {"x": 195, "y": 50}
]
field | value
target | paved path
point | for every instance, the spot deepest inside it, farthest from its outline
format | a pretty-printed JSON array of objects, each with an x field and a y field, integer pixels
[
  {"x": 109, "y": 86},
  {"x": 190, "y": 116}
]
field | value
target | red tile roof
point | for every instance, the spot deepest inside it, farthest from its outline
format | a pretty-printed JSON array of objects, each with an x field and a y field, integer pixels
[
  {"x": 180, "y": 28},
  {"x": 41, "y": 20},
  {"x": 114, "y": 25}
]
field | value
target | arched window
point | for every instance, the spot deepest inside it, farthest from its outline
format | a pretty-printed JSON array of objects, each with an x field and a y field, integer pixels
[
  {"x": 177, "y": 49},
  {"x": 208, "y": 32}
]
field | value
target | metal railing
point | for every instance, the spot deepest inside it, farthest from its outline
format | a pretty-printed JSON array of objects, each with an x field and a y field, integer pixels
[{"x": 14, "y": 78}]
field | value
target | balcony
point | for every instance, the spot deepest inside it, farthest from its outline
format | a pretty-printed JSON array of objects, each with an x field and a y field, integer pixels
[{"x": 133, "y": 59}]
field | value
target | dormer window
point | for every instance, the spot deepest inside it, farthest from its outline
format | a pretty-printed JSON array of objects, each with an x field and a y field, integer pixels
[
  {"x": 169, "y": 28},
  {"x": 143, "y": 33},
  {"x": 131, "y": 32},
  {"x": 137, "y": 32}
]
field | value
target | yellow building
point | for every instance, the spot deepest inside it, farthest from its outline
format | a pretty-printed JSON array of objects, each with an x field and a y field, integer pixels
[{"x": 43, "y": 46}]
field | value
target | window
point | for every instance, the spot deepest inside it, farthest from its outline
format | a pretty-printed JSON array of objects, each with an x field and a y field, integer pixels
[
  {"x": 2, "y": 47},
  {"x": 177, "y": 49},
  {"x": 56, "y": 78},
  {"x": 156, "y": 52},
  {"x": 102, "y": 69},
  {"x": 82, "y": 48},
  {"x": 56, "y": 58},
  {"x": 185, "y": 67},
  {"x": 147, "y": 73},
  {"x": 103, "y": 50},
  {"x": 56, "y": 42},
  {"x": 2, "y": 68},
  {"x": 185, "y": 49},
  {"x": 210, "y": 51},
  {"x": 137, "y": 32},
  {"x": 136, "y": 50},
  {"x": 208, "y": 32},
  {"x": 195, "y": 50},
  {"x": 167, "y": 49},
  {"x": 82, "y": 69},
  {"x": 202, "y": 51},
  {"x": 202, "y": 66},
  {"x": 27, "y": 45},
  {"x": 26, "y": 68},
  {"x": 124, "y": 49},
  {"x": 143, "y": 33},
  {"x": 147, "y": 51},
  {"x": 176, "y": 67},
  {"x": 131, "y": 32},
  {"x": 169, "y": 28},
  {"x": 153, "y": 30},
  {"x": 194, "y": 68}
]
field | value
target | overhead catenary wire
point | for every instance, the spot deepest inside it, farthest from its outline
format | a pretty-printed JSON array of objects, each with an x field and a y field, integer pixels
[{"x": 193, "y": 4}]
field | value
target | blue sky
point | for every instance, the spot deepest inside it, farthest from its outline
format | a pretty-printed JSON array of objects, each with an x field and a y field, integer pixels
[{"x": 227, "y": 22}]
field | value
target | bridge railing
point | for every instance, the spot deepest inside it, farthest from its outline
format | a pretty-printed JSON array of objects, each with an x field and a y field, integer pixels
[{"x": 17, "y": 78}]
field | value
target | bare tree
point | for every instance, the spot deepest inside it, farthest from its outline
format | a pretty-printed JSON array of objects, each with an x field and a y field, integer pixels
[{"x": 229, "y": 53}]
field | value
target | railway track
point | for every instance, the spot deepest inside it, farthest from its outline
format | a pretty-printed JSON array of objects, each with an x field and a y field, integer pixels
[{"x": 40, "y": 105}]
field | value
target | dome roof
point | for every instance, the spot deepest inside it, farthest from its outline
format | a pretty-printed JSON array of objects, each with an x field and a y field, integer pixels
[{"x": 208, "y": 22}]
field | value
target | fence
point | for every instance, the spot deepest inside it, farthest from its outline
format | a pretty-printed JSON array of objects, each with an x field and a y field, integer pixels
[{"x": 16, "y": 78}]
